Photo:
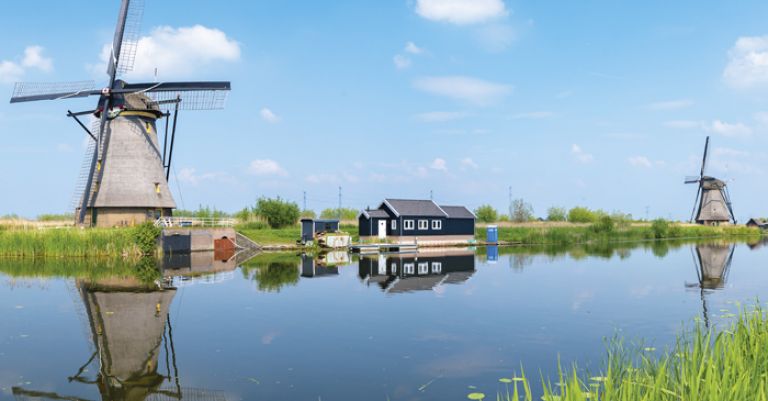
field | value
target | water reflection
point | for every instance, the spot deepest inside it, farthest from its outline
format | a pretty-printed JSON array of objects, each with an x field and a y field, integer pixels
[
  {"x": 712, "y": 262},
  {"x": 324, "y": 264},
  {"x": 407, "y": 272}
]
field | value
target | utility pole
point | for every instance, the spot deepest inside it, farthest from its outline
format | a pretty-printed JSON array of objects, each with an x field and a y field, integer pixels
[
  {"x": 338, "y": 212},
  {"x": 430, "y": 195},
  {"x": 646, "y": 212},
  {"x": 510, "y": 202},
  {"x": 305, "y": 201}
]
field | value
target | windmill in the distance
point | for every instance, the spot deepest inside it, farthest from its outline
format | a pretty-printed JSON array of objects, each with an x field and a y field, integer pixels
[
  {"x": 713, "y": 203},
  {"x": 125, "y": 180}
]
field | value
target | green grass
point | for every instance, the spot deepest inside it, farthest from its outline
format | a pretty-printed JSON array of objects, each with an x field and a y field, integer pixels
[
  {"x": 68, "y": 242},
  {"x": 569, "y": 235},
  {"x": 263, "y": 235},
  {"x": 72, "y": 268},
  {"x": 703, "y": 365}
]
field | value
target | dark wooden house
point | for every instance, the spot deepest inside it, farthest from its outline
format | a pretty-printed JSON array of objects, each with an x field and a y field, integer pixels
[
  {"x": 423, "y": 221},
  {"x": 759, "y": 223}
]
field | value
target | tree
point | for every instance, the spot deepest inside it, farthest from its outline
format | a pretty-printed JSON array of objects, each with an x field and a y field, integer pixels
[
  {"x": 277, "y": 212},
  {"x": 308, "y": 214},
  {"x": 521, "y": 211},
  {"x": 580, "y": 214},
  {"x": 333, "y": 213},
  {"x": 556, "y": 214},
  {"x": 486, "y": 214}
]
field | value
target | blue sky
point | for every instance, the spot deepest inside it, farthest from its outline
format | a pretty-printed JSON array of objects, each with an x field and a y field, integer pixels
[{"x": 603, "y": 104}]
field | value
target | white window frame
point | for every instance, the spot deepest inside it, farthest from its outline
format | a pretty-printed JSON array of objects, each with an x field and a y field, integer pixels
[
  {"x": 408, "y": 225},
  {"x": 394, "y": 225},
  {"x": 437, "y": 267},
  {"x": 393, "y": 269},
  {"x": 409, "y": 268},
  {"x": 437, "y": 224},
  {"x": 425, "y": 225},
  {"x": 423, "y": 268}
]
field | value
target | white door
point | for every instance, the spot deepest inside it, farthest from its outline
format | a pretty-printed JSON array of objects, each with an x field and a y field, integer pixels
[{"x": 382, "y": 229}]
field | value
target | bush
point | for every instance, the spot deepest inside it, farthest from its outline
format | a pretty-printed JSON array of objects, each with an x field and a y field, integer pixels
[
  {"x": 486, "y": 214},
  {"x": 308, "y": 214},
  {"x": 56, "y": 217},
  {"x": 145, "y": 236},
  {"x": 277, "y": 212},
  {"x": 556, "y": 214},
  {"x": 521, "y": 211},
  {"x": 660, "y": 228},
  {"x": 503, "y": 217},
  {"x": 202, "y": 212},
  {"x": 603, "y": 225},
  {"x": 333, "y": 213},
  {"x": 580, "y": 214}
]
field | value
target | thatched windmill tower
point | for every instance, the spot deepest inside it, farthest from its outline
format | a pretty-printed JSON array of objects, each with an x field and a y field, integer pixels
[
  {"x": 713, "y": 203},
  {"x": 125, "y": 177}
]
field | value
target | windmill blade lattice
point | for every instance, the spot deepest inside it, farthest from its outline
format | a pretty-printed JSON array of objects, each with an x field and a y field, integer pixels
[
  {"x": 32, "y": 91},
  {"x": 126, "y": 39}
]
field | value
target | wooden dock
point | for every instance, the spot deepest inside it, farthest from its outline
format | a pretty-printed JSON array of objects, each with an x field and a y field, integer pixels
[{"x": 366, "y": 249}]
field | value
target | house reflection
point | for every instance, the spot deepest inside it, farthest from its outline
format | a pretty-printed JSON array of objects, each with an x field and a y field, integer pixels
[
  {"x": 324, "y": 264},
  {"x": 712, "y": 262},
  {"x": 134, "y": 357},
  {"x": 420, "y": 271}
]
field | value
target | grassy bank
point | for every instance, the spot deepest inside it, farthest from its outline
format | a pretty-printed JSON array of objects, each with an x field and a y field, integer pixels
[
  {"x": 582, "y": 234},
  {"x": 703, "y": 365},
  {"x": 261, "y": 234},
  {"x": 126, "y": 243}
]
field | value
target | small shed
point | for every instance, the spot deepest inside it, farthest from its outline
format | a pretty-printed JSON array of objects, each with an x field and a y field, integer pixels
[
  {"x": 311, "y": 227},
  {"x": 759, "y": 223}
]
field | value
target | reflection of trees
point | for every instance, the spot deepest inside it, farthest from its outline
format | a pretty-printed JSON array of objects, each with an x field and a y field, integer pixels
[
  {"x": 660, "y": 249},
  {"x": 273, "y": 271},
  {"x": 519, "y": 262}
]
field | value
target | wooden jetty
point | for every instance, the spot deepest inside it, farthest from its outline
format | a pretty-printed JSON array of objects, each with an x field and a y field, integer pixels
[{"x": 365, "y": 249}]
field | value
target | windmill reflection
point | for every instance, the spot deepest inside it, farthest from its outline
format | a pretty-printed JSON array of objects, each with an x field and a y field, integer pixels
[
  {"x": 713, "y": 262},
  {"x": 130, "y": 328},
  {"x": 408, "y": 272}
]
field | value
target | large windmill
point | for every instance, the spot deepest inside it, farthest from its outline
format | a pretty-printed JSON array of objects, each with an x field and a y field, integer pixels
[
  {"x": 125, "y": 179},
  {"x": 713, "y": 203}
]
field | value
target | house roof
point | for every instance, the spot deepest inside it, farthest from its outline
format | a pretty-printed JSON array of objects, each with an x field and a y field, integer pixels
[
  {"x": 415, "y": 207},
  {"x": 376, "y": 213},
  {"x": 458, "y": 212}
]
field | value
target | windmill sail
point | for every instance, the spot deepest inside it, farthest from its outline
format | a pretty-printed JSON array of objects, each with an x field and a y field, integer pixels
[{"x": 126, "y": 41}]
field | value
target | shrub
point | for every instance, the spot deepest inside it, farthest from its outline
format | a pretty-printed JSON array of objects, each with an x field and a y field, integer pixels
[
  {"x": 556, "y": 214},
  {"x": 145, "y": 236},
  {"x": 334, "y": 213},
  {"x": 56, "y": 217},
  {"x": 660, "y": 228},
  {"x": 308, "y": 214},
  {"x": 503, "y": 217},
  {"x": 580, "y": 214},
  {"x": 277, "y": 212},
  {"x": 486, "y": 214},
  {"x": 604, "y": 224},
  {"x": 521, "y": 211}
]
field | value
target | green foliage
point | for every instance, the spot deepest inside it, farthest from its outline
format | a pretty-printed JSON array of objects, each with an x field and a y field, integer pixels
[
  {"x": 486, "y": 214},
  {"x": 503, "y": 218},
  {"x": 346, "y": 214},
  {"x": 660, "y": 228},
  {"x": 308, "y": 214},
  {"x": 146, "y": 235},
  {"x": 556, "y": 214},
  {"x": 69, "y": 217},
  {"x": 273, "y": 271},
  {"x": 202, "y": 212},
  {"x": 603, "y": 225},
  {"x": 68, "y": 242},
  {"x": 147, "y": 271},
  {"x": 277, "y": 212},
  {"x": 521, "y": 211},
  {"x": 580, "y": 214}
]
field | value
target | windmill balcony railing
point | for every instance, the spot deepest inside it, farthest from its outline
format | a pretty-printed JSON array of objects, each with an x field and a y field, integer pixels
[{"x": 177, "y": 221}]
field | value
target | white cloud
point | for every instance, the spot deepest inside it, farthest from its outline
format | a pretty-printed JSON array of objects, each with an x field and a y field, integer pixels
[
  {"x": 401, "y": 62},
  {"x": 747, "y": 62},
  {"x": 177, "y": 52},
  {"x": 761, "y": 117},
  {"x": 190, "y": 176},
  {"x": 468, "y": 89},
  {"x": 264, "y": 167},
  {"x": 683, "y": 124},
  {"x": 469, "y": 163},
  {"x": 11, "y": 71},
  {"x": 461, "y": 12},
  {"x": 640, "y": 161},
  {"x": 671, "y": 104},
  {"x": 496, "y": 38},
  {"x": 439, "y": 165},
  {"x": 532, "y": 115},
  {"x": 411, "y": 47},
  {"x": 441, "y": 116},
  {"x": 580, "y": 156},
  {"x": 269, "y": 116},
  {"x": 728, "y": 129}
]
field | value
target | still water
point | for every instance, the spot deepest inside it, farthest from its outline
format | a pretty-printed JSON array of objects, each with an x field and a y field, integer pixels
[{"x": 432, "y": 326}]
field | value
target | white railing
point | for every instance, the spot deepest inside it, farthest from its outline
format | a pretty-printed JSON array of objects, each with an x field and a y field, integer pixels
[{"x": 193, "y": 222}]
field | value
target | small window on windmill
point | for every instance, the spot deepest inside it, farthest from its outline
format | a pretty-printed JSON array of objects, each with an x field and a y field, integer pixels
[
  {"x": 149, "y": 127},
  {"x": 157, "y": 188},
  {"x": 98, "y": 165}
]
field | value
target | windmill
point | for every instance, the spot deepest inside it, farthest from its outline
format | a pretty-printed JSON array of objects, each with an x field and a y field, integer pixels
[
  {"x": 713, "y": 203},
  {"x": 125, "y": 177},
  {"x": 713, "y": 263}
]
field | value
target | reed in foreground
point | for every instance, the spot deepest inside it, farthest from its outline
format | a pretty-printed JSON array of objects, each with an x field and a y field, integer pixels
[{"x": 703, "y": 366}]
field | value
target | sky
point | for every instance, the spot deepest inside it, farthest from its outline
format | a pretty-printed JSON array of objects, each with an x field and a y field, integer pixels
[{"x": 601, "y": 104}]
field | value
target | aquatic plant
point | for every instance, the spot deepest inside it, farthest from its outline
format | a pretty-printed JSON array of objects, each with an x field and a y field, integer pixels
[
  {"x": 68, "y": 242},
  {"x": 703, "y": 365}
]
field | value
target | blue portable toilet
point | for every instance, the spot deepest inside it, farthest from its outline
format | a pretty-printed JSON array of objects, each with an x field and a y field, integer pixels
[
  {"x": 492, "y": 254},
  {"x": 492, "y": 235}
]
